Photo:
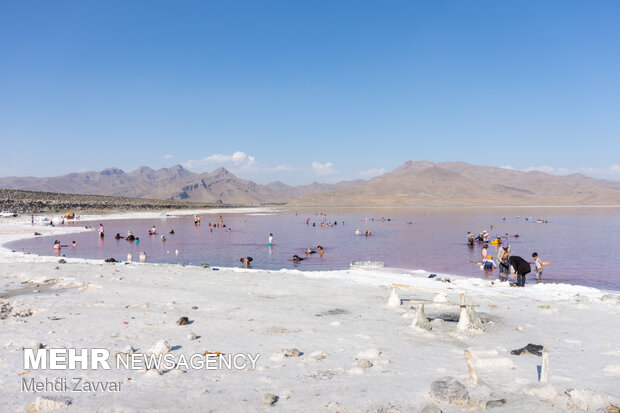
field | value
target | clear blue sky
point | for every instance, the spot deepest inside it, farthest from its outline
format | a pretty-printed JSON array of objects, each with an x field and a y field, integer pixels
[{"x": 364, "y": 86}]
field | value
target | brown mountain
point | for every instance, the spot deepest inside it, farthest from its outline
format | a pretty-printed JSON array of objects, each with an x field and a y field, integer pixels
[
  {"x": 174, "y": 183},
  {"x": 425, "y": 183},
  {"x": 412, "y": 184}
]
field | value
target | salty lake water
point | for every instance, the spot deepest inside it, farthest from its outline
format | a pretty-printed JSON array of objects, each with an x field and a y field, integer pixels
[{"x": 581, "y": 244}]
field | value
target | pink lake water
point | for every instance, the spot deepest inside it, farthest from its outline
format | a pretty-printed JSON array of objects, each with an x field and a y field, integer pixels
[{"x": 581, "y": 244}]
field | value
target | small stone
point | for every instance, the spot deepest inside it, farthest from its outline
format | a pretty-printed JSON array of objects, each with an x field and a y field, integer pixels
[
  {"x": 62, "y": 261},
  {"x": 363, "y": 363},
  {"x": 449, "y": 390},
  {"x": 291, "y": 352},
  {"x": 37, "y": 345},
  {"x": 430, "y": 408},
  {"x": 269, "y": 398},
  {"x": 191, "y": 336},
  {"x": 194, "y": 308},
  {"x": 489, "y": 404},
  {"x": 182, "y": 321}
]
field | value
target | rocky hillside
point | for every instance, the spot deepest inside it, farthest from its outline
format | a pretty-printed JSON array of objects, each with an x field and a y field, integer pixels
[{"x": 26, "y": 202}]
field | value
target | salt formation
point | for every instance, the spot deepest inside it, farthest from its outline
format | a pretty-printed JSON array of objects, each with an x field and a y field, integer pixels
[
  {"x": 394, "y": 300},
  {"x": 468, "y": 319},
  {"x": 420, "y": 320},
  {"x": 161, "y": 347}
]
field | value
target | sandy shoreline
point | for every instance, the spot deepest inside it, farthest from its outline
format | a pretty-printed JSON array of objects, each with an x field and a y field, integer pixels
[{"x": 335, "y": 318}]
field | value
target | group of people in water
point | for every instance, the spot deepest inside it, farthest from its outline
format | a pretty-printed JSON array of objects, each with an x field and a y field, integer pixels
[
  {"x": 132, "y": 238},
  {"x": 510, "y": 267},
  {"x": 246, "y": 261}
]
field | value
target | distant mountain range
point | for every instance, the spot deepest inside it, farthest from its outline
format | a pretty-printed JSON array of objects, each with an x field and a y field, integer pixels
[
  {"x": 420, "y": 183},
  {"x": 174, "y": 183},
  {"x": 459, "y": 183}
]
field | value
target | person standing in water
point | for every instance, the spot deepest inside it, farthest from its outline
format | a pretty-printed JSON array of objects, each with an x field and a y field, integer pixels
[
  {"x": 539, "y": 267},
  {"x": 271, "y": 240},
  {"x": 503, "y": 263},
  {"x": 100, "y": 230},
  {"x": 521, "y": 269}
]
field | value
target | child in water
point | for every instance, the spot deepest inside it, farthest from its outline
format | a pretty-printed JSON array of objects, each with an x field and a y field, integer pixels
[
  {"x": 488, "y": 263},
  {"x": 270, "y": 240},
  {"x": 539, "y": 267}
]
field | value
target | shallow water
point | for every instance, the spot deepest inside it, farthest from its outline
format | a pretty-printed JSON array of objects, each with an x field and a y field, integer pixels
[{"x": 581, "y": 244}]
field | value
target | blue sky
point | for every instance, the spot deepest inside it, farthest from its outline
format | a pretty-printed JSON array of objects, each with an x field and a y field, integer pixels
[{"x": 303, "y": 91}]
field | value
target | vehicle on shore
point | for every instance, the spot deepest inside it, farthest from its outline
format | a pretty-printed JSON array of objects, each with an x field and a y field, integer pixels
[{"x": 7, "y": 214}]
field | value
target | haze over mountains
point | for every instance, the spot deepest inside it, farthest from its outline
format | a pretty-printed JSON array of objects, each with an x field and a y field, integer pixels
[{"x": 420, "y": 183}]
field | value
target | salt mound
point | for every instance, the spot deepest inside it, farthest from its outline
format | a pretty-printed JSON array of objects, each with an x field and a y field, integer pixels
[
  {"x": 161, "y": 347},
  {"x": 586, "y": 399}
]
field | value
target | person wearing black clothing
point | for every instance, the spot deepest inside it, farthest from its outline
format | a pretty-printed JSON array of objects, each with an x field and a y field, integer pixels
[{"x": 521, "y": 267}]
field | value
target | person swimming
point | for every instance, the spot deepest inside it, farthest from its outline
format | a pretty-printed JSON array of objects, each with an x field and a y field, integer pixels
[
  {"x": 130, "y": 236},
  {"x": 74, "y": 244},
  {"x": 57, "y": 245},
  {"x": 118, "y": 236},
  {"x": 309, "y": 251},
  {"x": 246, "y": 261},
  {"x": 297, "y": 259},
  {"x": 171, "y": 232},
  {"x": 320, "y": 250},
  {"x": 137, "y": 240},
  {"x": 358, "y": 232},
  {"x": 367, "y": 233},
  {"x": 162, "y": 238}
]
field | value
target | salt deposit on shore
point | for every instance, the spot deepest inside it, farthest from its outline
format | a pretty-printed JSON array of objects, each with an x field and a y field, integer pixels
[{"x": 327, "y": 340}]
